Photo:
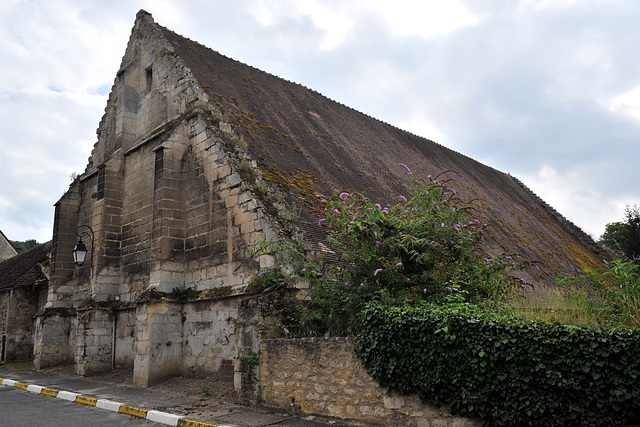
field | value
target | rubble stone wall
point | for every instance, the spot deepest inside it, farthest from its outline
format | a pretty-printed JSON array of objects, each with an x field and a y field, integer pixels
[
  {"x": 22, "y": 306},
  {"x": 323, "y": 376},
  {"x": 54, "y": 340}
]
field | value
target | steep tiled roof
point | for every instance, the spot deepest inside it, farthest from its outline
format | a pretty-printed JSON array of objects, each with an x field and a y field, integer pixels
[
  {"x": 24, "y": 269},
  {"x": 310, "y": 144}
]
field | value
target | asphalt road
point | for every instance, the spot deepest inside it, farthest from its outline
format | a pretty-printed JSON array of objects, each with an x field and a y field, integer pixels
[{"x": 21, "y": 409}]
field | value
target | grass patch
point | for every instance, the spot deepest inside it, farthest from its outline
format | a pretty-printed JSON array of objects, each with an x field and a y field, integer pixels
[
  {"x": 19, "y": 364},
  {"x": 554, "y": 305}
]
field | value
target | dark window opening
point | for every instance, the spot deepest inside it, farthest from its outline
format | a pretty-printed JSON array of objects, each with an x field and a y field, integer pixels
[
  {"x": 101, "y": 179},
  {"x": 159, "y": 164},
  {"x": 149, "y": 79},
  {"x": 120, "y": 77}
]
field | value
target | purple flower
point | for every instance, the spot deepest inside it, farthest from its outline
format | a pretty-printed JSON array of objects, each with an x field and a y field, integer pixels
[
  {"x": 281, "y": 266},
  {"x": 448, "y": 288},
  {"x": 304, "y": 270},
  {"x": 375, "y": 273},
  {"x": 249, "y": 244},
  {"x": 404, "y": 199},
  {"x": 361, "y": 284},
  {"x": 406, "y": 168},
  {"x": 323, "y": 201},
  {"x": 378, "y": 206},
  {"x": 261, "y": 273},
  {"x": 399, "y": 264},
  {"x": 336, "y": 211},
  {"x": 267, "y": 290},
  {"x": 442, "y": 225},
  {"x": 321, "y": 221},
  {"x": 424, "y": 291},
  {"x": 344, "y": 195}
]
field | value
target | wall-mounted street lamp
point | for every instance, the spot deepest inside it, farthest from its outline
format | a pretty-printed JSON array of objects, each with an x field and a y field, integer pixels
[{"x": 80, "y": 251}]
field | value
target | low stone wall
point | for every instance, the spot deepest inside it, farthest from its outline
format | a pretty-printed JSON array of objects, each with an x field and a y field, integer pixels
[{"x": 323, "y": 376}]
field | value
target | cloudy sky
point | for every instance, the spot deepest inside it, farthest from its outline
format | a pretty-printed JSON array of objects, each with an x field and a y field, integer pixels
[{"x": 546, "y": 90}]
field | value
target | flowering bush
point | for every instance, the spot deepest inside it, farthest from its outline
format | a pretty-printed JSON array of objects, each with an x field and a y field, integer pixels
[{"x": 425, "y": 246}]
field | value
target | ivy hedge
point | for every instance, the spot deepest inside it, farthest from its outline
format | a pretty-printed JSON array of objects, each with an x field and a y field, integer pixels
[{"x": 504, "y": 371}]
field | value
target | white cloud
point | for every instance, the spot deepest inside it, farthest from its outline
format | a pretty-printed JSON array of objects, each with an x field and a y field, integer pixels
[
  {"x": 627, "y": 103},
  {"x": 545, "y": 90},
  {"x": 422, "y": 18},
  {"x": 420, "y": 126},
  {"x": 575, "y": 198}
]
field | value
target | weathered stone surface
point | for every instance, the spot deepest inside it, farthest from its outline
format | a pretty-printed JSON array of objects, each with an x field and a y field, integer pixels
[
  {"x": 324, "y": 376},
  {"x": 169, "y": 212}
]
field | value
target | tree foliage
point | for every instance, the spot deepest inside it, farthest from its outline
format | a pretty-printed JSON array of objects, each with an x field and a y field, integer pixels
[
  {"x": 624, "y": 236},
  {"x": 27, "y": 245}
]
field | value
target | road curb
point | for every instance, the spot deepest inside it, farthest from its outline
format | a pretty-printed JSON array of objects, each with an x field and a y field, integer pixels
[{"x": 151, "y": 415}]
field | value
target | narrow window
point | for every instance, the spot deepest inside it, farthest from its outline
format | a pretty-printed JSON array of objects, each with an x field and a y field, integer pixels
[
  {"x": 159, "y": 165},
  {"x": 149, "y": 79},
  {"x": 120, "y": 77},
  {"x": 101, "y": 179}
]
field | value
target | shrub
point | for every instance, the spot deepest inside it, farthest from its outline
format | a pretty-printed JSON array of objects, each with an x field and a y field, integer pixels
[
  {"x": 612, "y": 295},
  {"x": 505, "y": 371},
  {"x": 425, "y": 246}
]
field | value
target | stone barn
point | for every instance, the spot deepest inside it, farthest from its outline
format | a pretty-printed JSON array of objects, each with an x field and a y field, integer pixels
[{"x": 198, "y": 155}]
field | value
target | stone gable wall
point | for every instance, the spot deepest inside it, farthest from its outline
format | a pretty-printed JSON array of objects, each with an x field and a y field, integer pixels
[
  {"x": 6, "y": 250},
  {"x": 171, "y": 214}
]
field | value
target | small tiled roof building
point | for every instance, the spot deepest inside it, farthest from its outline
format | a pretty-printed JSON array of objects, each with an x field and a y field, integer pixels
[{"x": 23, "y": 292}]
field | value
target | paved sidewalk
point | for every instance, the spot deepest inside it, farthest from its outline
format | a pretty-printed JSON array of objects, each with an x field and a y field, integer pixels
[{"x": 154, "y": 405}]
